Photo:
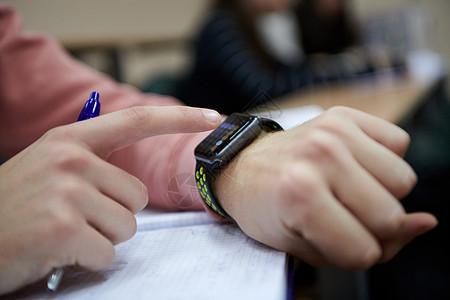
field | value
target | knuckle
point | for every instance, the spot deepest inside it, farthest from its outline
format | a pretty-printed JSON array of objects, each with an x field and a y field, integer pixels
[
  {"x": 140, "y": 200},
  {"x": 58, "y": 133},
  {"x": 405, "y": 185},
  {"x": 392, "y": 223},
  {"x": 364, "y": 257},
  {"x": 127, "y": 230},
  {"x": 335, "y": 123},
  {"x": 403, "y": 137},
  {"x": 68, "y": 188},
  {"x": 138, "y": 115},
  {"x": 401, "y": 141},
  {"x": 130, "y": 228},
  {"x": 63, "y": 223},
  {"x": 320, "y": 145},
  {"x": 63, "y": 155},
  {"x": 340, "y": 110},
  {"x": 297, "y": 188},
  {"x": 184, "y": 111},
  {"x": 70, "y": 159}
]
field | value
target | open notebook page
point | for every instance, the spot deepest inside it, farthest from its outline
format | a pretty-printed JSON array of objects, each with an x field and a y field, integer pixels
[{"x": 179, "y": 256}]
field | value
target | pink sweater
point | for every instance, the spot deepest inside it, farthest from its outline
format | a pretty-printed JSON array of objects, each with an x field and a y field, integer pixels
[{"x": 41, "y": 87}]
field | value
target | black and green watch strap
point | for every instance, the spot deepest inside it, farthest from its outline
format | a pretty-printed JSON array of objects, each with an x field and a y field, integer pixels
[
  {"x": 269, "y": 125},
  {"x": 203, "y": 177}
]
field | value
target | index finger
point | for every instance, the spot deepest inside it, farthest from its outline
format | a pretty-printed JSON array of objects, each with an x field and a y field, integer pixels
[
  {"x": 382, "y": 131},
  {"x": 113, "y": 131}
]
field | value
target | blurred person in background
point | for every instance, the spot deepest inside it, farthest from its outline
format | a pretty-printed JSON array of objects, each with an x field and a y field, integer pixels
[{"x": 250, "y": 48}]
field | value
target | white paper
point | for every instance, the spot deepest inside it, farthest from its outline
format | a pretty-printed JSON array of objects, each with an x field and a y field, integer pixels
[
  {"x": 172, "y": 258},
  {"x": 291, "y": 117}
]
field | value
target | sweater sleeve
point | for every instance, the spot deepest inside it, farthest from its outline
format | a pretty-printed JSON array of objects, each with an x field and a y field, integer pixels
[{"x": 42, "y": 86}]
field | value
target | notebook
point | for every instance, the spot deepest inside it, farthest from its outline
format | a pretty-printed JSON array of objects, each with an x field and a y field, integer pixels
[{"x": 183, "y": 255}]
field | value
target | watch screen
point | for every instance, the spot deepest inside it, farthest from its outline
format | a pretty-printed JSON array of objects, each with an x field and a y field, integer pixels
[{"x": 220, "y": 138}]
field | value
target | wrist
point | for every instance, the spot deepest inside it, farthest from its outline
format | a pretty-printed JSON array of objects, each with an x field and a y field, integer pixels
[{"x": 231, "y": 183}]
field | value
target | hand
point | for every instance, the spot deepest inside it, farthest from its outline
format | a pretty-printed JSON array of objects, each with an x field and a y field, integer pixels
[
  {"x": 63, "y": 204},
  {"x": 326, "y": 191}
]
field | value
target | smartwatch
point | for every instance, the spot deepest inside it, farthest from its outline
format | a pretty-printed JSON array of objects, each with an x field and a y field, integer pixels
[{"x": 221, "y": 146}]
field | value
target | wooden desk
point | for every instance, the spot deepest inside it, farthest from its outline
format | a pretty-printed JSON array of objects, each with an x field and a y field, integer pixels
[{"x": 390, "y": 98}]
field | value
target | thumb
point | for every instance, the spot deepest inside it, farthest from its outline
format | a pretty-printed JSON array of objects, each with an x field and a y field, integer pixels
[
  {"x": 110, "y": 132},
  {"x": 415, "y": 224}
]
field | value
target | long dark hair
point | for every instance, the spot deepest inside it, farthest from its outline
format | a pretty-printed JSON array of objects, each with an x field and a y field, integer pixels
[
  {"x": 317, "y": 35},
  {"x": 325, "y": 35},
  {"x": 247, "y": 21}
]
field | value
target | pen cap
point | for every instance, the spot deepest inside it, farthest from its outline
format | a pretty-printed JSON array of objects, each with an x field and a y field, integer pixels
[{"x": 91, "y": 109}]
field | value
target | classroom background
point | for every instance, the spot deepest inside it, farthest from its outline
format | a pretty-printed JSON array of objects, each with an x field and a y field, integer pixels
[
  {"x": 137, "y": 41},
  {"x": 141, "y": 42}
]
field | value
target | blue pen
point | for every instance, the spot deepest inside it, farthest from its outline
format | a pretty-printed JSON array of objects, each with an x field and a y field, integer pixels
[{"x": 90, "y": 110}]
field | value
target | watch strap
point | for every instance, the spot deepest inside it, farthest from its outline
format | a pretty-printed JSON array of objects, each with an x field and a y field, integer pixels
[
  {"x": 269, "y": 125},
  {"x": 203, "y": 178}
]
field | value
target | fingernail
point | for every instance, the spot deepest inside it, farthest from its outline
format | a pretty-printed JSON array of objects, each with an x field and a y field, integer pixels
[{"x": 211, "y": 115}]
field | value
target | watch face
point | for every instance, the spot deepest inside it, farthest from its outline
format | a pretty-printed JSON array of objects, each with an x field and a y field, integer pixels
[{"x": 236, "y": 125}]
